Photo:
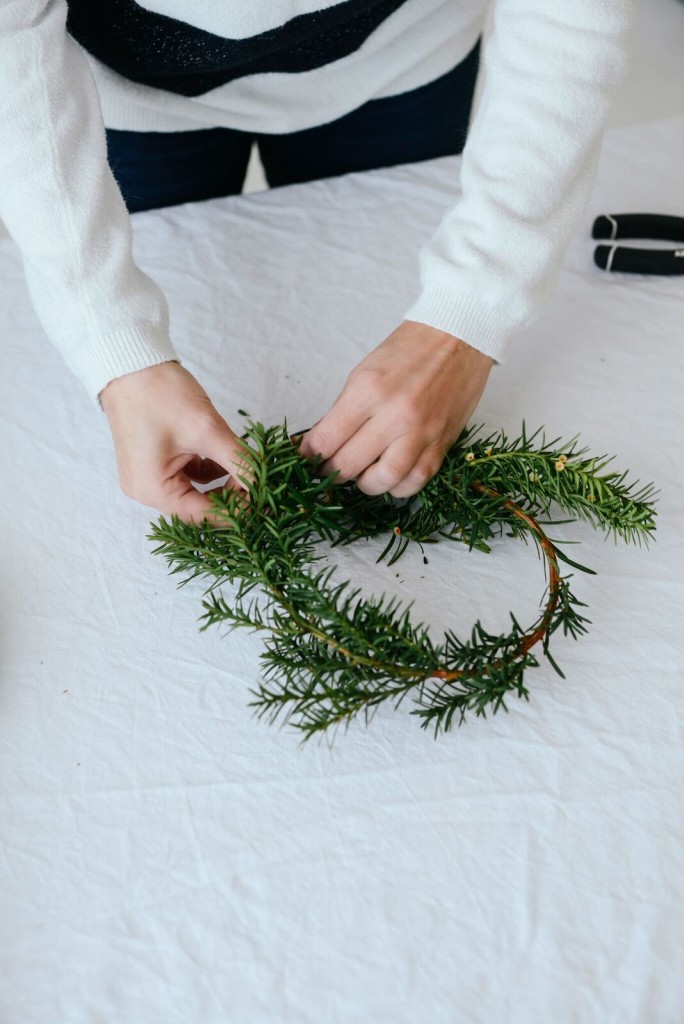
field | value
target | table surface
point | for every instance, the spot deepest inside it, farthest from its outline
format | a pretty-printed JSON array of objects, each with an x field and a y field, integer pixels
[{"x": 169, "y": 857}]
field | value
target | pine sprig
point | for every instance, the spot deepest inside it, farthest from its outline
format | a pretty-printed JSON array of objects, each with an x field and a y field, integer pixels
[{"x": 331, "y": 655}]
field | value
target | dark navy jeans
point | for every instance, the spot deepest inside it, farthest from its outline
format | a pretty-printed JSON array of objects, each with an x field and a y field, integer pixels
[{"x": 155, "y": 169}]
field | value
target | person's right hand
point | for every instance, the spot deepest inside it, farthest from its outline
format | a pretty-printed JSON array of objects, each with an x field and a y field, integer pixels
[{"x": 166, "y": 434}]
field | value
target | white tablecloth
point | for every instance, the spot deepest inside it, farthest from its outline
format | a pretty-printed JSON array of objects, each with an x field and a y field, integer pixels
[{"x": 167, "y": 857}]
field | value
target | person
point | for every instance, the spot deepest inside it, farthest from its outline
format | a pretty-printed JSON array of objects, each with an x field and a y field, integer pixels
[{"x": 113, "y": 108}]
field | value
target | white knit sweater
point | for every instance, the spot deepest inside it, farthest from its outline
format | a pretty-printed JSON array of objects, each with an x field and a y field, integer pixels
[{"x": 552, "y": 69}]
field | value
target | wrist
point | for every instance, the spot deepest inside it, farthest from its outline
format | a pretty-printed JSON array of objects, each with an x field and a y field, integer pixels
[
  {"x": 128, "y": 383},
  {"x": 453, "y": 344},
  {"x": 473, "y": 354}
]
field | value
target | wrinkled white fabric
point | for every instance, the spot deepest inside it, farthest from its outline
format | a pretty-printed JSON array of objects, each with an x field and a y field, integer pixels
[{"x": 168, "y": 858}]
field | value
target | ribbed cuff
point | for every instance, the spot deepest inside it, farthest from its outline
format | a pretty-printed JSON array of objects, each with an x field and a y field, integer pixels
[
  {"x": 124, "y": 351},
  {"x": 466, "y": 317}
]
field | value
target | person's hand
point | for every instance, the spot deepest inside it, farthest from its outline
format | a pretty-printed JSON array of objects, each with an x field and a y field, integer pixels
[
  {"x": 400, "y": 411},
  {"x": 166, "y": 435}
]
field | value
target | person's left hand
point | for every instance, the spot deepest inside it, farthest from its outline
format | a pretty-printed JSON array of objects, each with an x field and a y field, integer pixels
[{"x": 400, "y": 411}]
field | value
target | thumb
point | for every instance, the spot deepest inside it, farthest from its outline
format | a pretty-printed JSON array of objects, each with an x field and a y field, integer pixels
[{"x": 223, "y": 446}]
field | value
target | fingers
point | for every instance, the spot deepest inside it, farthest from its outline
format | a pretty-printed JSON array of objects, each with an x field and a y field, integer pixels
[
  {"x": 328, "y": 435},
  {"x": 223, "y": 453},
  {"x": 190, "y": 506},
  {"x": 357, "y": 453},
  {"x": 184, "y": 501},
  {"x": 403, "y": 469},
  {"x": 400, "y": 410},
  {"x": 224, "y": 456},
  {"x": 225, "y": 449},
  {"x": 166, "y": 435}
]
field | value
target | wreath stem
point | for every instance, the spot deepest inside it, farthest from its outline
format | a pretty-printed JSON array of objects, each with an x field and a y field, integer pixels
[{"x": 530, "y": 639}]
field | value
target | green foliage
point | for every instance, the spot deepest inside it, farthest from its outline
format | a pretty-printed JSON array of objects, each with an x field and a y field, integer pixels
[{"x": 329, "y": 654}]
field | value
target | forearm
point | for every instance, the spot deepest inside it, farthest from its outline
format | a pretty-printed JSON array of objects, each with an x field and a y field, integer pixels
[
  {"x": 62, "y": 206},
  {"x": 552, "y": 71}
]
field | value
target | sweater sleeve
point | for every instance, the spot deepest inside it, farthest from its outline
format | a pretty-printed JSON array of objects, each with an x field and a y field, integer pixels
[
  {"x": 63, "y": 208},
  {"x": 527, "y": 168}
]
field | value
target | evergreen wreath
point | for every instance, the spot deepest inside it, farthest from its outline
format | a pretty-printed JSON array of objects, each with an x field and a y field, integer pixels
[{"x": 330, "y": 654}]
